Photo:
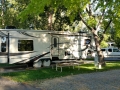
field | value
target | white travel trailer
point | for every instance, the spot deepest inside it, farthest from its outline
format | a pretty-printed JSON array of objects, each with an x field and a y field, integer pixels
[{"x": 40, "y": 47}]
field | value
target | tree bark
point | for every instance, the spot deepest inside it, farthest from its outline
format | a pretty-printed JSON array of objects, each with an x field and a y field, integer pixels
[
  {"x": 98, "y": 49},
  {"x": 50, "y": 21}
]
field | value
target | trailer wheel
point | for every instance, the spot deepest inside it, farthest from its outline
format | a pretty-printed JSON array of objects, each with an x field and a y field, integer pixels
[
  {"x": 46, "y": 62},
  {"x": 37, "y": 64}
]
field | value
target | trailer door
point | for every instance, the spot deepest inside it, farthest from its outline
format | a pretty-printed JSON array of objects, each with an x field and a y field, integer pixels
[
  {"x": 55, "y": 47},
  {"x": 4, "y": 50}
]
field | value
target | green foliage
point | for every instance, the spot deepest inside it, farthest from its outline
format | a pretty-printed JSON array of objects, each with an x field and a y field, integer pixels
[
  {"x": 92, "y": 22},
  {"x": 60, "y": 20},
  {"x": 112, "y": 12},
  {"x": 35, "y": 7},
  {"x": 117, "y": 41},
  {"x": 103, "y": 44},
  {"x": 74, "y": 7},
  {"x": 12, "y": 9},
  {"x": 23, "y": 13}
]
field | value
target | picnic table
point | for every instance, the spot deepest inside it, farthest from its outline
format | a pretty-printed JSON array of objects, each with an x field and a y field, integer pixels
[{"x": 65, "y": 63}]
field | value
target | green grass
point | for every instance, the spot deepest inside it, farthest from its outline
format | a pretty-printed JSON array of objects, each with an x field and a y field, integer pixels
[
  {"x": 49, "y": 73},
  {"x": 6, "y": 65}
]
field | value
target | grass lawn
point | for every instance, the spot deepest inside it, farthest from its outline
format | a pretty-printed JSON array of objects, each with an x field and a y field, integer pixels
[
  {"x": 49, "y": 73},
  {"x": 6, "y": 65}
]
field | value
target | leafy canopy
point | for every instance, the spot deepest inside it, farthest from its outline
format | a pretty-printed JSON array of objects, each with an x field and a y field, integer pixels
[
  {"x": 106, "y": 8},
  {"x": 36, "y": 7}
]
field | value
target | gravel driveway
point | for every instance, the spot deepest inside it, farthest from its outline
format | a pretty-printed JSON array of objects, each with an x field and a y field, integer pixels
[
  {"x": 108, "y": 80},
  {"x": 6, "y": 84}
]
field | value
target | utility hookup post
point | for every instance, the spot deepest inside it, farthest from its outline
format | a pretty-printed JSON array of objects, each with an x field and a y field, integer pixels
[
  {"x": 8, "y": 49},
  {"x": 80, "y": 51}
]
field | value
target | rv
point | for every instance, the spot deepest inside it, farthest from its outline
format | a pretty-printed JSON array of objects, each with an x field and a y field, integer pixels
[{"x": 41, "y": 47}]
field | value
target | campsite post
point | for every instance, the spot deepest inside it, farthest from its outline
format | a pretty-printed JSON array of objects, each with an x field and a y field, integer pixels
[{"x": 8, "y": 48}]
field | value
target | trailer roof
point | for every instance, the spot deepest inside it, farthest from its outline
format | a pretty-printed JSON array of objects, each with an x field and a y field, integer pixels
[
  {"x": 67, "y": 33},
  {"x": 25, "y": 30}
]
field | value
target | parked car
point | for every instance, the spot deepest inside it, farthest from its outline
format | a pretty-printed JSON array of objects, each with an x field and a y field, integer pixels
[{"x": 111, "y": 53}]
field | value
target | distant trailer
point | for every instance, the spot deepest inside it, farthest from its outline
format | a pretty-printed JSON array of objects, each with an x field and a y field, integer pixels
[{"x": 41, "y": 47}]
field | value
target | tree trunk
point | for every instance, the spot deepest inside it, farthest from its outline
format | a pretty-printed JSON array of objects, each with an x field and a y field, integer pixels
[
  {"x": 3, "y": 12},
  {"x": 97, "y": 41},
  {"x": 50, "y": 21},
  {"x": 98, "y": 50}
]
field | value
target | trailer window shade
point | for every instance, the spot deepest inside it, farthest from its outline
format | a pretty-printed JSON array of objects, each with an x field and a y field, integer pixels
[{"x": 25, "y": 45}]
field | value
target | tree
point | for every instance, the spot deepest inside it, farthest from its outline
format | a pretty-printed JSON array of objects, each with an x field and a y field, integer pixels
[
  {"x": 9, "y": 12},
  {"x": 60, "y": 19},
  {"x": 97, "y": 15}
]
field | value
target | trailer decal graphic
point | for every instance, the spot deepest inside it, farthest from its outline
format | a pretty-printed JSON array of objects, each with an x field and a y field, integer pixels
[
  {"x": 13, "y": 54},
  {"x": 34, "y": 58},
  {"x": 26, "y": 34}
]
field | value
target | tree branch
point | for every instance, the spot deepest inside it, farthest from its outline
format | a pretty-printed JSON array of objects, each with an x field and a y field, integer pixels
[
  {"x": 85, "y": 22},
  {"x": 106, "y": 29},
  {"x": 88, "y": 10},
  {"x": 102, "y": 17},
  {"x": 107, "y": 26}
]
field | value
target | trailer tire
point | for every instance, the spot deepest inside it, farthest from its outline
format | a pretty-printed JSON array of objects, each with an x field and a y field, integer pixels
[
  {"x": 37, "y": 64},
  {"x": 46, "y": 62}
]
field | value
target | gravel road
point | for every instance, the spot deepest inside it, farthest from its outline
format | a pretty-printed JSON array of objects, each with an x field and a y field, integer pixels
[
  {"x": 108, "y": 80},
  {"x": 6, "y": 84}
]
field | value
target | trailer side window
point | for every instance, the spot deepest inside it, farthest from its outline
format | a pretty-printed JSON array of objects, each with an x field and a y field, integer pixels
[
  {"x": 55, "y": 42},
  {"x": 25, "y": 45},
  {"x": 109, "y": 50},
  {"x": 103, "y": 50},
  {"x": 115, "y": 50},
  {"x": 87, "y": 41}
]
